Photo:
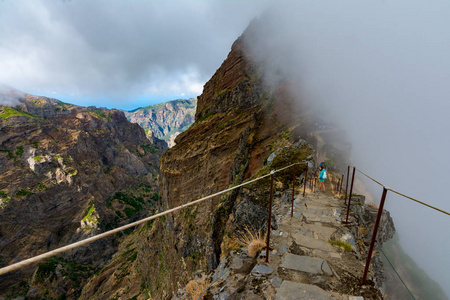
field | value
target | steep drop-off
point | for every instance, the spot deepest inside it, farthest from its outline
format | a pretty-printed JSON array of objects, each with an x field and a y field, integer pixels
[
  {"x": 66, "y": 173},
  {"x": 239, "y": 123},
  {"x": 165, "y": 120}
]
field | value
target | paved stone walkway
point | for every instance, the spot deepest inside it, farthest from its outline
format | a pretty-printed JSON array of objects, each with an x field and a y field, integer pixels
[{"x": 302, "y": 263}]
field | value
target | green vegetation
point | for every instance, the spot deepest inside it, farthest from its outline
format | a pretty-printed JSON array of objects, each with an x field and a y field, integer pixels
[
  {"x": 77, "y": 273},
  {"x": 9, "y": 112},
  {"x": 149, "y": 148},
  {"x": 4, "y": 199},
  {"x": 204, "y": 117},
  {"x": 73, "y": 172},
  {"x": 218, "y": 93},
  {"x": 41, "y": 187},
  {"x": 23, "y": 192},
  {"x": 10, "y": 154},
  {"x": 100, "y": 114},
  {"x": 35, "y": 144},
  {"x": 37, "y": 158},
  {"x": 19, "y": 151},
  {"x": 134, "y": 204},
  {"x": 91, "y": 215},
  {"x": 343, "y": 245}
]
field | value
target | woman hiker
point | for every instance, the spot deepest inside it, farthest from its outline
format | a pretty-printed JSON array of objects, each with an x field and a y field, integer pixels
[{"x": 322, "y": 177}]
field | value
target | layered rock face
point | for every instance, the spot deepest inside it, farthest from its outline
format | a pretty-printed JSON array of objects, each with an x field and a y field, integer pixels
[
  {"x": 165, "y": 120},
  {"x": 239, "y": 123},
  {"x": 66, "y": 173}
]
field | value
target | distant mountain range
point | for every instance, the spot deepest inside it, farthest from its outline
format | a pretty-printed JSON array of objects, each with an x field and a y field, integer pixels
[{"x": 165, "y": 120}]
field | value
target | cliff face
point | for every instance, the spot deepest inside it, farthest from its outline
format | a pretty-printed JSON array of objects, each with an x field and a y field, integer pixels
[
  {"x": 165, "y": 120},
  {"x": 239, "y": 123},
  {"x": 66, "y": 173}
]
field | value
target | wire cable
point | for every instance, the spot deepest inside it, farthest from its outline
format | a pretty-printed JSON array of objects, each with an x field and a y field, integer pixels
[
  {"x": 37, "y": 258},
  {"x": 369, "y": 177},
  {"x": 420, "y": 202},
  {"x": 406, "y": 196},
  {"x": 404, "y": 284}
]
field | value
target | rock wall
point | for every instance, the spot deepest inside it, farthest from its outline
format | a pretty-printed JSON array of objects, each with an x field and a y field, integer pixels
[{"x": 67, "y": 173}]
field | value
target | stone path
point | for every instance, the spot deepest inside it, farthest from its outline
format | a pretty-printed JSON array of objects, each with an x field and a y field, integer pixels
[{"x": 302, "y": 262}]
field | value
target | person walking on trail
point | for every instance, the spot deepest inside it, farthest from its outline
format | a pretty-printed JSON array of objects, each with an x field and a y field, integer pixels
[{"x": 322, "y": 177}]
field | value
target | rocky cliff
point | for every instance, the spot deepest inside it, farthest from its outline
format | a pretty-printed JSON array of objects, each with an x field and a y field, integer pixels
[
  {"x": 239, "y": 123},
  {"x": 165, "y": 120},
  {"x": 66, "y": 173}
]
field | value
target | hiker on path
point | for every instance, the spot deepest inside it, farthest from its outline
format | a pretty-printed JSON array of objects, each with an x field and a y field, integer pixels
[{"x": 322, "y": 177}]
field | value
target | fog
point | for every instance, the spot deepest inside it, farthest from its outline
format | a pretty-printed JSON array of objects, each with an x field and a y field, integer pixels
[{"x": 381, "y": 70}]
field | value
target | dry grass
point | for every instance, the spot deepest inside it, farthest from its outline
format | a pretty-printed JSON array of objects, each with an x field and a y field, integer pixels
[
  {"x": 253, "y": 240},
  {"x": 229, "y": 244},
  {"x": 372, "y": 206},
  {"x": 195, "y": 288}
]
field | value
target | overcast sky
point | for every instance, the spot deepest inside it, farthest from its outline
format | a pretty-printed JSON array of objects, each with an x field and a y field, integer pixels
[
  {"x": 113, "y": 53},
  {"x": 379, "y": 68}
]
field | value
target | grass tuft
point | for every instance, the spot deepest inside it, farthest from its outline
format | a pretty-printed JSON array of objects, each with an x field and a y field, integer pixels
[
  {"x": 343, "y": 245},
  {"x": 195, "y": 289},
  {"x": 254, "y": 241}
]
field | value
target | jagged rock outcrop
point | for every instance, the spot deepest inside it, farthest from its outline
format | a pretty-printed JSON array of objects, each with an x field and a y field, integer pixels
[
  {"x": 165, "y": 120},
  {"x": 239, "y": 122},
  {"x": 66, "y": 173}
]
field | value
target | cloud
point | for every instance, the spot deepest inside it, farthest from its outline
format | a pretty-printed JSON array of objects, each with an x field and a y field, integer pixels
[
  {"x": 10, "y": 96},
  {"x": 117, "y": 49},
  {"x": 381, "y": 70}
]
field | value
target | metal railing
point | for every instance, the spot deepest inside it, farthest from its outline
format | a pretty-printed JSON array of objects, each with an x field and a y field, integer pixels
[{"x": 380, "y": 211}]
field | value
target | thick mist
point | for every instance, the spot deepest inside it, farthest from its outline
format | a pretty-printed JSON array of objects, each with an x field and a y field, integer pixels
[{"x": 381, "y": 70}]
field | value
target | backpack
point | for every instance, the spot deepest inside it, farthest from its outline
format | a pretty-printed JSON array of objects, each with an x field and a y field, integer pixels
[{"x": 324, "y": 176}]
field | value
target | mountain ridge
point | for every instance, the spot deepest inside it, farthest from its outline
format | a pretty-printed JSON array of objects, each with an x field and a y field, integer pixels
[
  {"x": 165, "y": 120},
  {"x": 66, "y": 173}
]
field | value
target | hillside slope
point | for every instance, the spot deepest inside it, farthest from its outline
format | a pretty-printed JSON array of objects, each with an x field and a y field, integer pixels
[
  {"x": 239, "y": 123},
  {"x": 165, "y": 120},
  {"x": 66, "y": 173}
]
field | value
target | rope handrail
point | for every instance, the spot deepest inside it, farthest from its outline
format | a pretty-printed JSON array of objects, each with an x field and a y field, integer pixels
[
  {"x": 37, "y": 258},
  {"x": 401, "y": 194},
  {"x": 369, "y": 177},
  {"x": 420, "y": 202},
  {"x": 398, "y": 275}
]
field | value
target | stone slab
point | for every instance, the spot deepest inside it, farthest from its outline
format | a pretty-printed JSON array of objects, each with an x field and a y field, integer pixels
[
  {"x": 319, "y": 218},
  {"x": 299, "y": 291},
  {"x": 312, "y": 265},
  {"x": 312, "y": 243},
  {"x": 277, "y": 281},
  {"x": 261, "y": 270}
]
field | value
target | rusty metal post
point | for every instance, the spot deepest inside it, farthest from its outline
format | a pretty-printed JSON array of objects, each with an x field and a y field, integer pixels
[
  {"x": 315, "y": 183},
  {"x": 340, "y": 187},
  {"x": 293, "y": 192},
  {"x": 374, "y": 235},
  {"x": 270, "y": 217},
  {"x": 346, "y": 186},
  {"x": 306, "y": 178},
  {"x": 350, "y": 196}
]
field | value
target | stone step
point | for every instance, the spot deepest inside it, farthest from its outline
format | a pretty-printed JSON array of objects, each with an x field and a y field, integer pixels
[
  {"x": 310, "y": 217},
  {"x": 299, "y": 291},
  {"x": 312, "y": 265},
  {"x": 312, "y": 243}
]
